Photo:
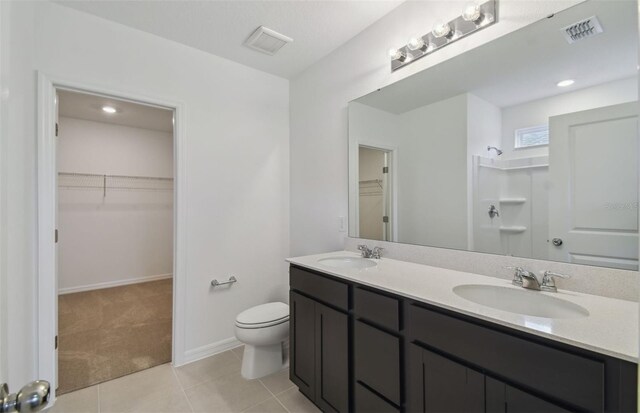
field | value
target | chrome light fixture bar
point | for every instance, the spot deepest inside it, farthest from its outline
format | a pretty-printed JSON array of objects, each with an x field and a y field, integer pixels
[{"x": 475, "y": 16}]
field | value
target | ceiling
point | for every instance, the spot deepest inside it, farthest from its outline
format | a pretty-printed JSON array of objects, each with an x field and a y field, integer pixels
[
  {"x": 89, "y": 107},
  {"x": 221, "y": 27},
  {"x": 527, "y": 64}
]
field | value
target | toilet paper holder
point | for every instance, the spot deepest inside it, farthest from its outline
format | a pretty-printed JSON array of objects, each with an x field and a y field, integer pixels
[{"x": 216, "y": 283}]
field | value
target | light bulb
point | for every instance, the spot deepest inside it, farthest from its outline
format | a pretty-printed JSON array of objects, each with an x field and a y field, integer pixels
[
  {"x": 397, "y": 54},
  {"x": 109, "y": 109},
  {"x": 471, "y": 12},
  {"x": 441, "y": 29},
  {"x": 416, "y": 43},
  {"x": 565, "y": 83}
]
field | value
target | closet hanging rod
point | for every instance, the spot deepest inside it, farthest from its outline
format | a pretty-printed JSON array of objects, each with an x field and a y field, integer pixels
[{"x": 86, "y": 175}]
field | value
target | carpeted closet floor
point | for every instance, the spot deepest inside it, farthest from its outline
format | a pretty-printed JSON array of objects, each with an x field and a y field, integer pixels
[{"x": 107, "y": 333}]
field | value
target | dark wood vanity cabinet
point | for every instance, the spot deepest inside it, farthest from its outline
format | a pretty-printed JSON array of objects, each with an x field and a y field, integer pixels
[
  {"x": 319, "y": 342},
  {"x": 354, "y": 348}
]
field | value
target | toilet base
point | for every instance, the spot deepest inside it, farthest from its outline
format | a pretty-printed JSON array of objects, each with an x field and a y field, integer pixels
[{"x": 260, "y": 361}]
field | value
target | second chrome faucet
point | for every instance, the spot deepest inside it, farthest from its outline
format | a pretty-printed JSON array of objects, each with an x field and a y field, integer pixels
[{"x": 376, "y": 252}]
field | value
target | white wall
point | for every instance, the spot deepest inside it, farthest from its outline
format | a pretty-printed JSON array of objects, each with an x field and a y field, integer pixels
[
  {"x": 319, "y": 98},
  {"x": 126, "y": 235},
  {"x": 432, "y": 175},
  {"x": 539, "y": 111},
  {"x": 237, "y": 151}
]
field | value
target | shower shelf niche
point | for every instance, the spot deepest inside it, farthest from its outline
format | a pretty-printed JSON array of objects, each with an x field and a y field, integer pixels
[
  {"x": 513, "y": 200},
  {"x": 515, "y": 229}
]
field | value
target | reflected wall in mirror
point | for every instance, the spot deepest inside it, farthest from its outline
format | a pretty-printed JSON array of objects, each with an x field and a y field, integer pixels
[{"x": 525, "y": 146}]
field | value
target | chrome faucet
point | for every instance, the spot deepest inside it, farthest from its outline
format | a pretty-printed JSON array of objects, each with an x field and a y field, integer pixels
[
  {"x": 527, "y": 279},
  {"x": 524, "y": 278},
  {"x": 376, "y": 252}
]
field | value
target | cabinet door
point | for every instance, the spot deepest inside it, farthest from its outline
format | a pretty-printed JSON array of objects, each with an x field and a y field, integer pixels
[
  {"x": 502, "y": 398},
  {"x": 442, "y": 385},
  {"x": 332, "y": 359},
  {"x": 302, "y": 321},
  {"x": 377, "y": 361}
]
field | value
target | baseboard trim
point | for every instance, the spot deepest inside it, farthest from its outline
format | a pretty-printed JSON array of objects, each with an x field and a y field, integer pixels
[
  {"x": 209, "y": 350},
  {"x": 110, "y": 284}
]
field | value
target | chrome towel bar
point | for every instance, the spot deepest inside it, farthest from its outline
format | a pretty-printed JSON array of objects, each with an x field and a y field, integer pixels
[{"x": 217, "y": 283}]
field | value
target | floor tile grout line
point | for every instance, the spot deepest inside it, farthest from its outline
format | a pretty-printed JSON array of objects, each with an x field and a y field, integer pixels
[
  {"x": 184, "y": 393},
  {"x": 275, "y": 395},
  {"x": 281, "y": 404},
  {"x": 207, "y": 380},
  {"x": 259, "y": 403},
  {"x": 285, "y": 390}
]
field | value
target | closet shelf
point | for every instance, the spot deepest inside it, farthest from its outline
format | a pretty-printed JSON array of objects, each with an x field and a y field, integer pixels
[
  {"x": 75, "y": 180},
  {"x": 515, "y": 229},
  {"x": 513, "y": 200}
]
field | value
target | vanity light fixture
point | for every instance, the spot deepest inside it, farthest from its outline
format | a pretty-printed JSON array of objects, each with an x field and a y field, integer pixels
[
  {"x": 109, "y": 109},
  {"x": 475, "y": 16},
  {"x": 565, "y": 83}
]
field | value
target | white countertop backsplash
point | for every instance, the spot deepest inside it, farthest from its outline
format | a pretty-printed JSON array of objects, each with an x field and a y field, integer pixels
[{"x": 611, "y": 327}]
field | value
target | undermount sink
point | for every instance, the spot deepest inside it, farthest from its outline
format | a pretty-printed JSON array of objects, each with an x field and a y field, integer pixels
[
  {"x": 520, "y": 301},
  {"x": 347, "y": 262}
]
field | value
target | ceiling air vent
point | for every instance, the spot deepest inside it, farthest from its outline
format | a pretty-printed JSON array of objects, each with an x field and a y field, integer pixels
[
  {"x": 582, "y": 29},
  {"x": 267, "y": 41}
]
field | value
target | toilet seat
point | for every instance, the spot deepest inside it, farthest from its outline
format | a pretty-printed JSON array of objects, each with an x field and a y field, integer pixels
[{"x": 265, "y": 315}]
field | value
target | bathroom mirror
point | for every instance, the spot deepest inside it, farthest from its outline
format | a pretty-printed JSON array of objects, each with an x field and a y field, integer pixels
[{"x": 525, "y": 146}]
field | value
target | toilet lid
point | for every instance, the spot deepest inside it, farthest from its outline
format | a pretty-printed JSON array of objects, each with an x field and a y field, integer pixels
[{"x": 269, "y": 313}]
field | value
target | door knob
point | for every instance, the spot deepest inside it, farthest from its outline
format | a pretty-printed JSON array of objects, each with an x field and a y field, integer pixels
[
  {"x": 556, "y": 241},
  {"x": 31, "y": 398}
]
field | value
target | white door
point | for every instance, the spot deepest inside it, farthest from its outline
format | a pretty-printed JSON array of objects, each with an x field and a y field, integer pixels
[{"x": 593, "y": 194}]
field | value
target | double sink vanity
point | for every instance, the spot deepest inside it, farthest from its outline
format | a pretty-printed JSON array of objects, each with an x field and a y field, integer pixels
[{"x": 381, "y": 335}]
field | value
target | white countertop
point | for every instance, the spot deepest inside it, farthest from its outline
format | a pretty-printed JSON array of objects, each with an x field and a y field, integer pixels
[{"x": 611, "y": 327}]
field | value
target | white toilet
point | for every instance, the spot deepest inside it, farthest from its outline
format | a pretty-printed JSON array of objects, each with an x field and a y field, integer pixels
[{"x": 262, "y": 329}]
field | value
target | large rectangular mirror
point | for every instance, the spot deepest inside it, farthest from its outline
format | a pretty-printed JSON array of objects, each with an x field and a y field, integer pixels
[{"x": 525, "y": 146}]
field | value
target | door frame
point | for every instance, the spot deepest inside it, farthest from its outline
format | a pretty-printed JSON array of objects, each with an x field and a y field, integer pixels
[
  {"x": 354, "y": 186},
  {"x": 47, "y": 289}
]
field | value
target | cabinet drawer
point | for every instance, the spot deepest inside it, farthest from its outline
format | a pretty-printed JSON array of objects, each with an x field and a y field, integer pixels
[
  {"x": 369, "y": 402},
  {"x": 377, "y": 308},
  {"x": 557, "y": 373},
  {"x": 377, "y": 360},
  {"x": 323, "y": 289}
]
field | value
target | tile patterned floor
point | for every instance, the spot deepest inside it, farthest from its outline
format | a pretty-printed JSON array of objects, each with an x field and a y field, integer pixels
[{"x": 211, "y": 385}]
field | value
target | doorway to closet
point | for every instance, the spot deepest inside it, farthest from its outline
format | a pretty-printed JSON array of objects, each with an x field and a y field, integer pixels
[{"x": 115, "y": 237}]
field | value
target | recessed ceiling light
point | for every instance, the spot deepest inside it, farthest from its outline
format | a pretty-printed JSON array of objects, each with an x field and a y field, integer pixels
[
  {"x": 565, "y": 83},
  {"x": 109, "y": 109}
]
